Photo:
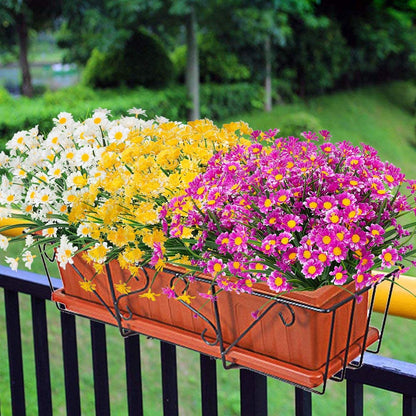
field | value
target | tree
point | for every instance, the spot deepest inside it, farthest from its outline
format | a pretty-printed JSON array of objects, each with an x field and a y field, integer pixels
[
  {"x": 257, "y": 25},
  {"x": 23, "y": 16}
]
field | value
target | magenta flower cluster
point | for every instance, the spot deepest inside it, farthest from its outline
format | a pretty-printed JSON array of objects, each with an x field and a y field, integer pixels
[{"x": 297, "y": 214}]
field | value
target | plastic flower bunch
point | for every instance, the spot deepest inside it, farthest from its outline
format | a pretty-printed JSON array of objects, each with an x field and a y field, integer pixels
[
  {"x": 297, "y": 215},
  {"x": 95, "y": 185},
  {"x": 42, "y": 176},
  {"x": 136, "y": 178}
]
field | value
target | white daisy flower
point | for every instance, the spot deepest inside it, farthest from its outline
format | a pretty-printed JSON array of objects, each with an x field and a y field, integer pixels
[
  {"x": 28, "y": 258},
  {"x": 118, "y": 133},
  {"x": 136, "y": 111},
  {"x": 29, "y": 240},
  {"x": 19, "y": 141},
  {"x": 65, "y": 252},
  {"x": 64, "y": 119},
  {"x": 56, "y": 170},
  {"x": 4, "y": 242},
  {"x": 12, "y": 262}
]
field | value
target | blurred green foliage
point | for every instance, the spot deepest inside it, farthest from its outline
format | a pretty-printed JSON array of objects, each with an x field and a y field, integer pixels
[
  {"x": 141, "y": 60},
  {"x": 219, "y": 102}
]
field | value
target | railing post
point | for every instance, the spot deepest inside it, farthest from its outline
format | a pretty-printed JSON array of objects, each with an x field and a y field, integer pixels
[
  {"x": 253, "y": 393},
  {"x": 100, "y": 369},
  {"x": 169, "y": 379},
  {"x": 70, "y": 359},
  {"x": 40, "y": 340},
  {"x": 133, "y": 375},
  {"x": 355, "y": 402},
  {"x": 303, "y": 402},
  {"x": 409, "y": 405},
  {"x": 209, "y": 396},
  {"x": 14, "y": 343}
]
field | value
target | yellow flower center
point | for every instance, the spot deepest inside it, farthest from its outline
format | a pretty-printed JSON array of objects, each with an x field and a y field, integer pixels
[
  {"x": 334, "y": 219},
  {"x": 291, "y": 224},
  {"x": 326, "y": 239},
  {"x": 238, "y": 241},
  {"x": 337, "y": 251},
  {"x": 388, "y": 257}
]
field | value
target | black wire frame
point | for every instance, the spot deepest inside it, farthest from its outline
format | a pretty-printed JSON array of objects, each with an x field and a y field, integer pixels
[{"x": 120, "y": 317}]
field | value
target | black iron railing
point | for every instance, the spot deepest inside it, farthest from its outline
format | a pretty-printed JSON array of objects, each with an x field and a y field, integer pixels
[{"x": 383, "y": 373}]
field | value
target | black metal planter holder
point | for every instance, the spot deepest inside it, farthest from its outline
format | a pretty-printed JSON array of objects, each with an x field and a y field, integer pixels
[{"x": 121, "y": 318}]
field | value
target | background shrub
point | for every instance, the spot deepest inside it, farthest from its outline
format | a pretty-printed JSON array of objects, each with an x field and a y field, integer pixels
[
  {"x": 142, "y": 60},
  {"x": 218, "y": 102},
  {"x": 296, "y": 123}
]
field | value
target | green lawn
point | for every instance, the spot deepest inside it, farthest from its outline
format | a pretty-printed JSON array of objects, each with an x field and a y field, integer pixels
[{"x": 381, "y": 116}]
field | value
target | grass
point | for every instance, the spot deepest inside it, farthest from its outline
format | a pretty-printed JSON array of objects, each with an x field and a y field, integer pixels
[{"x": 381, "y": 116}]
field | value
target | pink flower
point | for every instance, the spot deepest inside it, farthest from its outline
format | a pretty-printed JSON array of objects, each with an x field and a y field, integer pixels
[
  {"x": 337, "y": 251},
  {"x": 169, "y": 292},
  {"x": 291, "y": 223},
  {"x": 283, "y": 241},
  {"x": 388, "y": 257},
  {"x": 340, "y": 275},
  {"x": 362, "y": 280},
  {"x": 312, "y": 268},
  {"x": 238, "y": 239},
  {"x": 269, "y": 244},
  {"x": 278, "y": 283},
  {"x": 215, "y": 266},
  {"x": 356, "y": 238}
]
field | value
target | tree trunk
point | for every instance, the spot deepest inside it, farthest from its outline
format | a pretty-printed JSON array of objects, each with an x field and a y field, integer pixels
[
  {"x": 27, "y": 87},
  {"x": 268, "y": 75},
  {"x": 192, "y": 65}
]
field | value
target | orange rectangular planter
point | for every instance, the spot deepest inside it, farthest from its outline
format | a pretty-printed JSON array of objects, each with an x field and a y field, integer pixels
[{"x": 291, "y": 341}]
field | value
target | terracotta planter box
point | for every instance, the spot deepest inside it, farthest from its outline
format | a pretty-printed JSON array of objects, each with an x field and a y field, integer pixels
[{"x": 296, "y": 353}]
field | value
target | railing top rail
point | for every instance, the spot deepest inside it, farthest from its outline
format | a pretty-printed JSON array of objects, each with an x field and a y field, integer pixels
[
  {"x": 386, "y": 373},
  {"x": 27, "y": 282}
]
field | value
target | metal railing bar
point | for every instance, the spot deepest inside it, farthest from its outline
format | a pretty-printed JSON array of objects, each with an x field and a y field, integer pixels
[
  {"x": 409, "y": 405},
  {"x": 27, "y": 282},
  {"x": 169, "y": 379},
  {"x": 14, "y": 344},
  {"x": 355, "y": 398},
  {"x": 70, "y": 361},
  {"x": 386, "y": 373},
  {"x": 253, "y": 393},
  {"x": 100, "y": 368},
  {"x": 41, "y": 350},
  {"x": 209, "y": 396},
  {"x": 133, "y": 375},
  {"x": 303, "y": 402}
]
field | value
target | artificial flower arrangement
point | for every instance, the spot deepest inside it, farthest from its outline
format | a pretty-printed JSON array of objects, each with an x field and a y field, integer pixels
[
  {"x": 96, "y": 187},
  {"x": 294, "y": 214},
  {"x": 213, "y": 219}
]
